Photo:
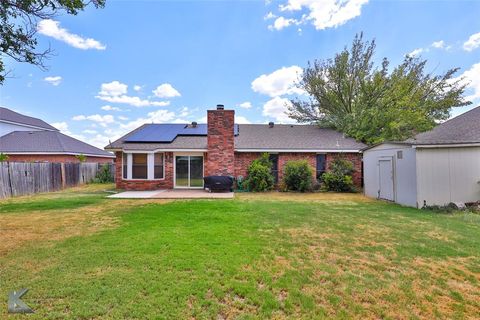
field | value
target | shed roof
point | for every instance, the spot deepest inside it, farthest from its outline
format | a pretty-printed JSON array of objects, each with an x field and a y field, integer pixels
[{"x": 463, "y": 129}]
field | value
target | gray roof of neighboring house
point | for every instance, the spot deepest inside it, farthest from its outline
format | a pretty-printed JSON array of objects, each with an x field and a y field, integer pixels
[
  {"x": 12, "y": 116},
  {"x": 258, "y": 137},
  {"x": 47, "y": 142},
  {"x": 462, "y": 129}
]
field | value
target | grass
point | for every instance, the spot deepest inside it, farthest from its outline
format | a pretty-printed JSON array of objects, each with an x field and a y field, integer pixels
[{"x": 275, "y": 255}]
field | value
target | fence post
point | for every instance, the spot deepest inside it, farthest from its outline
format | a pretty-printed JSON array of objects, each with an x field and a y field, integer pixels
[{"x": 62, "y": 168}]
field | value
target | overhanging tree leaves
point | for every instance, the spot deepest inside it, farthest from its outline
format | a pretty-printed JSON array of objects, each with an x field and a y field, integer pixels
[
  {"x": 18, "y": 23},
  {"x": 369, "y": 103}
]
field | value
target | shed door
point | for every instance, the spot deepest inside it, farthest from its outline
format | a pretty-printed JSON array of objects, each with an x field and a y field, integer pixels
[{"x": 385, "y": 179}]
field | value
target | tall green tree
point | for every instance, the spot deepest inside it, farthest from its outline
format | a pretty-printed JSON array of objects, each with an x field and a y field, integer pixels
[
  {"x": 18, "y": 26},
  {"x": 352, "y": 94}
]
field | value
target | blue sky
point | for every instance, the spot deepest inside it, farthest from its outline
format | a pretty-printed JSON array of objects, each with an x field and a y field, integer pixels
[{"x": 169, "y": 61}]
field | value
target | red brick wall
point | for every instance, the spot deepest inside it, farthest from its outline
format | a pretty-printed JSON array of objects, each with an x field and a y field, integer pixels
[
  {"x": 243, "y": 160},
  {"x": 166, "y": 183},
  {"x": 54, "y": 158},
  {"x": 283, "y": 158},
  {"x": 355, "y": 158},
  {"x": 220, "y": 143}
]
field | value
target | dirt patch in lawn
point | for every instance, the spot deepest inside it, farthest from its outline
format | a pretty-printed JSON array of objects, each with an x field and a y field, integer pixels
[
  {"x": 53, "y": 225},
  {"x": 341, "y": 198}
]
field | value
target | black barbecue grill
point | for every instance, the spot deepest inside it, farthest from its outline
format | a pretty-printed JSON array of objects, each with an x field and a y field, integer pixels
[{"x": 218, "y": 183}]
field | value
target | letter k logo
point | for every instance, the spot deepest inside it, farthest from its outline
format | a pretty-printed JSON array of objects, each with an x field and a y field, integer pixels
[{"x": 15, "y": 305}]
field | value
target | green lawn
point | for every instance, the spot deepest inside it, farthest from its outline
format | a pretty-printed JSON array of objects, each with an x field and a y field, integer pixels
[{"x": 258, "y": 256}]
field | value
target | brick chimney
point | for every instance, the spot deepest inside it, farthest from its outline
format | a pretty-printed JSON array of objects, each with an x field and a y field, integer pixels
[{"x": 220, "y": 142}]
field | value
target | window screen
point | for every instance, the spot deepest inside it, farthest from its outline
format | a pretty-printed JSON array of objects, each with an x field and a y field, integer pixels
[
  {"x": 139, "y": 166},
  {"x": 321, "y": 165}
]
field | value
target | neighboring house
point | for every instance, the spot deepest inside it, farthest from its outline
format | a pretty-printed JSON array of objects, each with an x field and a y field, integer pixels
[
  {"x": 435, "y": 168},
  {"x": 179, "y": 155},
  {"x": 30, "y": 139}
]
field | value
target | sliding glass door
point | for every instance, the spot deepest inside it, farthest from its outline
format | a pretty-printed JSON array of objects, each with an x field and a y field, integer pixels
[{"x": 189, "y": 171}]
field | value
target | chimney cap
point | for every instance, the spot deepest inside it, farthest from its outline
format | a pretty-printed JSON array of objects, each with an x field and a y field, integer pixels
[
  {"x": 194, "y": 124},
  {"x": 271, "y": 124},
  {"x": 220, "y": 107}
]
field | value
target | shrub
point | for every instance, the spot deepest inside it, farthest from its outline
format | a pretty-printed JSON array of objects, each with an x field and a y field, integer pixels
[
  {"x": 259, "y": 176},
  {"x": 298, "y": 176},
  {"x": 104, "y": 175},
  {"x": 3, "y": 157},
  {"x": 81, "y": 157},
  {"x": 339, "y": 178}
]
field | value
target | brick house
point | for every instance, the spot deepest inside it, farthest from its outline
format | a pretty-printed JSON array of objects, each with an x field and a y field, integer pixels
[
  {"x": 29, "y": 139},
  {"x": 156, "y": 156}
]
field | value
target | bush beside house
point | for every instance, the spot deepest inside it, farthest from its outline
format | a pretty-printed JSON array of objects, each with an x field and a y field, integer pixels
[
  {"x": 297, "y": 176},
  {"x": 339, "y": 177},
  {"x": 259, "y": 175}
]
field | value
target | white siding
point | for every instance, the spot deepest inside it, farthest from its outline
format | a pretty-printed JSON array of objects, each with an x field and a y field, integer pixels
[
  {"x": 6, "y": 128},
  {"x": 404, "y": 172},
  {"x": 447, "y": 175}
]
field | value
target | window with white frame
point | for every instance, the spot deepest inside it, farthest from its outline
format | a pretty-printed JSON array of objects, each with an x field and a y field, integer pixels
[
  {"x": 124, "y": 166},
  {"x": 145, "y": 166},
  {"x": 158, "y": 163}
]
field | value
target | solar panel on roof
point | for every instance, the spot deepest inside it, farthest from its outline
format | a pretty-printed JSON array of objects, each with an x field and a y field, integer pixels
[{"x": 166, "y": 133}]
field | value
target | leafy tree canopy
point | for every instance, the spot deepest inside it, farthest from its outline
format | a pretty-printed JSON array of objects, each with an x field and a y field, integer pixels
[
  {"x": 367, "y": 102},
  {"x": 18, "y": 26}
]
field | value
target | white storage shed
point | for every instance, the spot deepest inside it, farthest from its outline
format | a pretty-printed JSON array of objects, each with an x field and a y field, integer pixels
[{"x": 435, "y": 168}]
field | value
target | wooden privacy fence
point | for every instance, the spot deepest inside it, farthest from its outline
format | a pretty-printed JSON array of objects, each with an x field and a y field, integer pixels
[{"x": 22, "y": 178}]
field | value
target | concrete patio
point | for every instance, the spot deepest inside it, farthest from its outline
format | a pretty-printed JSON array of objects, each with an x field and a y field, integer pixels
[{"x": 173, "y": 194}]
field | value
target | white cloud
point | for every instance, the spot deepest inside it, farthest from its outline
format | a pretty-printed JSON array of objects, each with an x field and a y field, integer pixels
[
  {"x": 269, "y": 16},
  {"x": 322, "y": 14},
  {"x": 439, "y": 44},
  {"x": 55, "y": 81},
  {"x": 166, "y": 90},
  {"x": 472, "y": 76},
  {"x": 472, "y": 43},
  {"x": 114, "y": 88},
  {"x": 281, "y": 23},
  {"x": 90, "y": 131},
  {"x": 137, "y": 87},
  {"x": 159, "y": 116},
  {"x": 51, "y": 28},
  {"x": 123, "y": 118},
  {"x": 133, "y": 101},
  {"x": 110, "y": 108},
  {"x": 184, "y": 112},
  {"x": 202, "y": 119},
  {"x": 276, "y": 108},
  {"x": 241, "y": 119},
  {"x": 101, "y": 120},
  {"x": 245, "y": 105},
  {"x": 116, "y": 92},
  {"x": 62, "y": 126},
  {"x": 280, "y": 82},
  {"x": 416, "y": 52}
]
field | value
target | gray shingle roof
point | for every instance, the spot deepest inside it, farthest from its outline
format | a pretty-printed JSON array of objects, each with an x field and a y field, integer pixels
[
  {"x": 12, "y": 116},
  {"x": 299, "y": 137},
  {"x": 47, "y": 142},
  {"x": 259, "y": 136},
  {"x": 462, "y": 129}
]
